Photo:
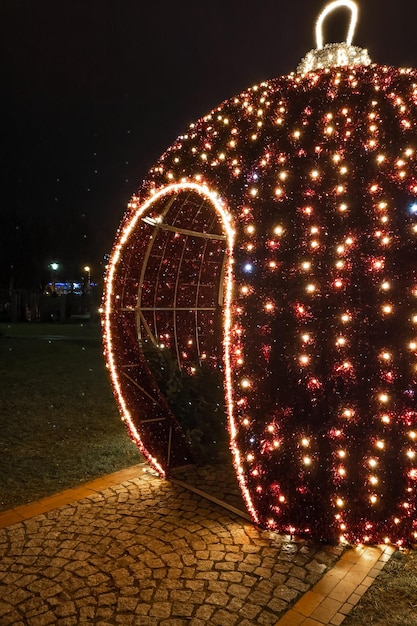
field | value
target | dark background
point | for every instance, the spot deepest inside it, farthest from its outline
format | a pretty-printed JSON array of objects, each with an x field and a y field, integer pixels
[{"x": 93, "y": 91}]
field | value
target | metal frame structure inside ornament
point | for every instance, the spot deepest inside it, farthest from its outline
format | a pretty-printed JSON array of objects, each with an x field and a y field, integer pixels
[{"x": 176, "y": 289}]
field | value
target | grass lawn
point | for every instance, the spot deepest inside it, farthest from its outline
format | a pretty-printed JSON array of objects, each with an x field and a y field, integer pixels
[{"x": 59, "y": 424}]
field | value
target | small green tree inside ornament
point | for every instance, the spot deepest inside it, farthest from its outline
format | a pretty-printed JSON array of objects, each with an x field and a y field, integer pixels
[{"x": 275, "y": 243}]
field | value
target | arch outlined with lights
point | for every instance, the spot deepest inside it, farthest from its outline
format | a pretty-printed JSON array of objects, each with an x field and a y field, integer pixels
[{"x": 140, "y": 214}]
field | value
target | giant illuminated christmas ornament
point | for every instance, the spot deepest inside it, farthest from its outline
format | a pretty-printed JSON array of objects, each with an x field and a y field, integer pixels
[{"x": 274, "y": 245}]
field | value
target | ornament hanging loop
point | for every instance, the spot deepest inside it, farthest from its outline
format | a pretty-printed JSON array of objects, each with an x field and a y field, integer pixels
[
  {"x": 328, "y": 9},
  {"x": 334, "y": 54}
]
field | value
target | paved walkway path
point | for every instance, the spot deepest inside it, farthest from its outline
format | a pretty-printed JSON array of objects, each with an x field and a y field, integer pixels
[{"x": 131, "y": 548}]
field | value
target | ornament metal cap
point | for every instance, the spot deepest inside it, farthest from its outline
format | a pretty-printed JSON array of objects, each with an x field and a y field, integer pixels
[{"x": 334, "y": 54}]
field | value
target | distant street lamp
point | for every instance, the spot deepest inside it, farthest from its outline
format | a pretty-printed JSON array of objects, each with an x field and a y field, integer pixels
[
  {"x": 54, "y": 267},
  {"x": 87, "y": 269}
]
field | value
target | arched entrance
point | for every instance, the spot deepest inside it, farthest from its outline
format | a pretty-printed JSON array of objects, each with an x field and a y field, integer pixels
[{"x": 169, "y": 279}]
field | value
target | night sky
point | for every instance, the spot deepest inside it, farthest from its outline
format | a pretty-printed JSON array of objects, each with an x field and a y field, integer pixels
[{"x": 93, "y": 91}]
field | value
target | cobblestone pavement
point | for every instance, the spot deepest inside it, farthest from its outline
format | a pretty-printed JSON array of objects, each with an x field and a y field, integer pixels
[{"x": 148, "y": 552}]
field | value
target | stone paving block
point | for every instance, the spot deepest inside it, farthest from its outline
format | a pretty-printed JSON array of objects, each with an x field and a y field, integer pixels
[
  {"x": 247, "y": 548},
  {"x": 357, "y": 574},
  {"x": 87, "y": 613},
  {"x": 218, "y": 598},
  {"x": 249, "y": 581},
  {"x": 291, "y": 618},
  {"x": 189, "y": 559},
  {"x": 297, "y": 572},
  {"x": 352, "y": 555},
  {"x": 234, "y": 577},
  {"x": 223, "y": 618},
  {"x": 250, "y": 611},
  {"x": 265, "y": 586},
  {"x": 235, "y": 604},
  {"x": 194, "y": 585},
  {"x": 107, "y": 599},
  {"x": 142, "y": 608},
  {"x": 180, "y": 595},
  {"x": 105, "y": 612},
  {"x": 160, "y": 609},
  {"x": 202, "y": 554},
  {"x": 65, "y": 609},
  {"x": 285, "y": 593},
  {"x": 204, "y": 566},
  {"x": 126, "y": 604},
  {"x": 327, "y": 583},
  {"x": 368, "y": 581},
  {"x": 218, "y": 585},
  {"x": 217, "y": 555},
  {"x": 146, "y": 595},
  {"x": 375, "y": 571},
  {"x": 182, "y": 609},
  {"x": 253, "y": 559},
  {"x": 326, "y": 610},
  {"x": 205, "y": 611},
  {"x": 238, "y": 591},
  {"x": 86, "y": 601},
  {"x": 263, "y": 572},
  {"x": 233, "y": 556},
  {"x": 246, "y": 567},
  {"x": 278, "y": 579},
  {"x": 341, "y": 569},
  {"x": 296, "y": 583},
  {"x": 277, "y": 606},
  {"x": 258, "y": 597},
  {"x": 309, "y": 602},
  {"x": 354, "y": 598},
  {"x": 343, "y": 590},
  {"x": 265, "y": 618},
  {"x": 346, "y": 608},
  {"x": 160, "y": 595}
]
